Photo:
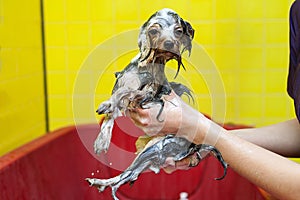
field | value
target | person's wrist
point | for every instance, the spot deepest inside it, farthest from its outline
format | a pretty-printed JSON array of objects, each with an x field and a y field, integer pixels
[
  {"x": 202, "y": 127},
  {"x": 199, "y": 129},
  {"x": 191, "y": 125},
  {"x": 213, "y": 132}
]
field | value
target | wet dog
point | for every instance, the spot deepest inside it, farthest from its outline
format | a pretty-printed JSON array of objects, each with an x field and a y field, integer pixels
[
  {"x": 154, "y": 156},
  {"x": 165, "y": 36}
]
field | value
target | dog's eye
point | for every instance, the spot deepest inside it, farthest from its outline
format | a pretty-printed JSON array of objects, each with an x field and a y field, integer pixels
[
  {"x": 153, "y": 32},
  {"x": 178, "y": 32}
]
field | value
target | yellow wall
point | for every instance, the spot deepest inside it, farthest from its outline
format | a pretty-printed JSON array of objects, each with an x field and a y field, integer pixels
[
  {"x": 237, "y": 69},
  {"x": 22, "y": 115},
  {"x": 246, "y": 40}
]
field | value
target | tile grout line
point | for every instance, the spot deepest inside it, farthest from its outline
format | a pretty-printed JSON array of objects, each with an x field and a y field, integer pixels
[{"x": 44, "y": 66}]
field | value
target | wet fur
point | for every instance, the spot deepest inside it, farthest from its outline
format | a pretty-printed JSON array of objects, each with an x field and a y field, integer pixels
[
  {"x": 143, "y": 80},
  {"x": 154, "y": 156}
]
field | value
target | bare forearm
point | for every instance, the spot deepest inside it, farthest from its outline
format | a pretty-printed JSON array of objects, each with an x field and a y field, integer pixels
[
  {"x": 282, "y": 138},
  {"x": 270, "y": 171}
]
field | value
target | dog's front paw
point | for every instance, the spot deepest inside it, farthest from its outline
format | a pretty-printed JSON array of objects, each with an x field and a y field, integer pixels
[{"x": 105, "y": 107}]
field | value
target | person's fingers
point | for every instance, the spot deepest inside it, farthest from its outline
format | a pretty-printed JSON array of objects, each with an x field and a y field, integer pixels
[
  {"x": 155, "y": 118},
  {"x": 183, "y": 164},
  {"x": 142, "y": 117},
  {"x": 134, "y": 117},
  {"x": 144, "y": 121},
  {"x": 171, "y": 166},
  {"x": 169, "y": 169}
]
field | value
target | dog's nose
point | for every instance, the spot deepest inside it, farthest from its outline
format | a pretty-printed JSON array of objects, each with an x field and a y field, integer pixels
[{"x": 168, "y": 45}]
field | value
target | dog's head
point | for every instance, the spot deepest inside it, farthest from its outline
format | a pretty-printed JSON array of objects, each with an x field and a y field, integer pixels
[{"x": 165, "y": 36}]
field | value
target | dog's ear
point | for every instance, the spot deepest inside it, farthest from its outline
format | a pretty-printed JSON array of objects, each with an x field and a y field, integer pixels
[
  {"x": 143, "y": 40},
  {"x": 144, "y": 43},
  {"x": 188, "y": 35},
  {"x": 189, "y": 30}
]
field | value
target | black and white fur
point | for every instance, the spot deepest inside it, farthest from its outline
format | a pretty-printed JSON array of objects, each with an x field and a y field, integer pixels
[
  {"x": 154, "y": 156},
  {"x": 163, "y": 37}
]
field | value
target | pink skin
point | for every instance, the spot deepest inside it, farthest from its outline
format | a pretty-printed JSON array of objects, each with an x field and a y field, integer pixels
[
  {"x": 170, "y": 122},
  {"x": 256, "y": 153}
]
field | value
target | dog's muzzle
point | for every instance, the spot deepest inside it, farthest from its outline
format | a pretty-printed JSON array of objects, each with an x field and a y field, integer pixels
[{"x": 168, "y": 45}]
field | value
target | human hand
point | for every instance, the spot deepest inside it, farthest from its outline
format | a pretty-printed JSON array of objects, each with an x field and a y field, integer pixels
[
  {"x": 176, "y": 118},
  {"x": 170, "y": 165},
  {"x": 153, "y": 123}
]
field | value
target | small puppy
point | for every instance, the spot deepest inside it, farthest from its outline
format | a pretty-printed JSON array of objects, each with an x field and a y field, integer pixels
[{"x": 163, "y": 37}]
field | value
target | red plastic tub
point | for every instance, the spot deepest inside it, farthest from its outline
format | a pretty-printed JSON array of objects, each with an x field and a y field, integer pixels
[{"x": 54, "y": 167}]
